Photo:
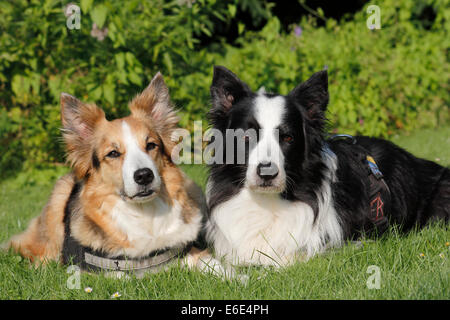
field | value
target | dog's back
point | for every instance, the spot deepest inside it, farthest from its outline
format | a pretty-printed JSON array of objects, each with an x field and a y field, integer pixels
[
  {"x": 45, "y": 235},
  {"x": 420, "y": 189}
]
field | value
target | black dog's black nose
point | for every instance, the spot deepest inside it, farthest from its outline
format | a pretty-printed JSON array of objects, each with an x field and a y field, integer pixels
[
  {"x": 143, "y": 176},
  {"x": 267, "y": 170}
]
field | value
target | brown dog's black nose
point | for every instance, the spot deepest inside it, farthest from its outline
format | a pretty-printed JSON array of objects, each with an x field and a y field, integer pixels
[
  {"x": 143, "y": 176},
  {"x": 267, "y": 170}
]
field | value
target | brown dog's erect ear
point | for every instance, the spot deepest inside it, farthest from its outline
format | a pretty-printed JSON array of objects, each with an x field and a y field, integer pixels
[
  {"x": 79, "y": 121},
  {"x": 226, "y": 89},
  {"x": 154, "y": 103}
]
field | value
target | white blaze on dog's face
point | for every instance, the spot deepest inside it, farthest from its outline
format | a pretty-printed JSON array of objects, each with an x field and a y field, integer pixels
[
  {"x": 141, "y": 179},
  {"x": 272, "y": 133},
  {"x": 265, "y": 171},
  {"x": 125, "y": 156},
  {"x": 130, "y": 158}
]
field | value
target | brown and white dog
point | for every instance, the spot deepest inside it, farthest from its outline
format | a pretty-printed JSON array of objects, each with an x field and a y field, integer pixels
[{"x": 125, "y": 202}]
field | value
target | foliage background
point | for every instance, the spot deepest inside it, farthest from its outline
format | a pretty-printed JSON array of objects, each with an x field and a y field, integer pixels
[{"x": 381, "y": 81}]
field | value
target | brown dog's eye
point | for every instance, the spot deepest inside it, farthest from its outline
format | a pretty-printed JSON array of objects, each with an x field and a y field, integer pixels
[
  {"x": 287, "y": 138},
  {"x": 113, "y": 154},
  {"x": 150, "y": 146}
]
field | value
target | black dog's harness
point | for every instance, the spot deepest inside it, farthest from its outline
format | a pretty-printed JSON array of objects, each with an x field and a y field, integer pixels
[
  {"x": 378, "y": 190},
  {"x": 86, "y": 258}
]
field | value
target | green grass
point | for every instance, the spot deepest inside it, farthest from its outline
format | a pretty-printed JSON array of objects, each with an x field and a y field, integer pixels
[{"x": 337, "y": 274}]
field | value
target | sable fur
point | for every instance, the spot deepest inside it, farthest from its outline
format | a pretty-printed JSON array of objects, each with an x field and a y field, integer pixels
[{"x": 87, "y": 135}]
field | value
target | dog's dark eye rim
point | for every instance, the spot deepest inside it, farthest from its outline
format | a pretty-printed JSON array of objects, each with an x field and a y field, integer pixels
[
  {"x": 150, "y": 146},
  {"x": 113, "y": 154},
  {"x": 287, "y": 138}
]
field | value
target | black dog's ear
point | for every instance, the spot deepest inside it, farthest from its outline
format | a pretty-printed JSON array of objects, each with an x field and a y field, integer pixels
[
  {"x": 313, "y": 94},
  {"x": 227, "y": 89}
]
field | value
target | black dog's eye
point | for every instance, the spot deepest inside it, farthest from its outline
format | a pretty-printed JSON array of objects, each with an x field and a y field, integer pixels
[
  {"x": 150, "y": 146},
  {"x": 287, "y": 138},
  {"x": 113, "y": 154}
]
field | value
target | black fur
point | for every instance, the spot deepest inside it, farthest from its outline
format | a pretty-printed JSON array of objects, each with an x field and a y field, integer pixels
[
  {"x": 95, "y": 161},
  {"x": 420, "y": 189}
]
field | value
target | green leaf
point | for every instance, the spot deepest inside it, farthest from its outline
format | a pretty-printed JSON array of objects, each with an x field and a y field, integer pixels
[
  {"x": 134, "y": 78},
  {"x": 241, "y": 27},
  {"x": 18, "y": 84},
  {"x": 320, "y": 12},
  {"x": 98, "y": 15},
  {"x": 96, "y": 93},
  {"x": 109, "y": 92},
  {"x": 205, "y": 30},
  {"x": 130, "y": 58},
  {"x": 156, "y": 50},
  {"x": 168, "y": 62},
  {"x": 86, "y": 5},
  {"x": 120, "y": 60},
  {"x": 122, "y": 76},
  {"x": 35, "y": 82},
  {"x": 232, "y": 10},
  {"x": 112, "y": 29}
]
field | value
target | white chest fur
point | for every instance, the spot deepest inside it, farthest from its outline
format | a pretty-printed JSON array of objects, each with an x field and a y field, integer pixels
[
  {"x": 254, "y": 228},
  {"x": 154, "y": 225}
]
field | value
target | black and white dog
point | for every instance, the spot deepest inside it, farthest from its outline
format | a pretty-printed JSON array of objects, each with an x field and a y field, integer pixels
[{"x": 297, "y": 193}]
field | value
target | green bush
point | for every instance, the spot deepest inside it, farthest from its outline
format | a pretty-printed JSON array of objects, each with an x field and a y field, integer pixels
[
  {"x": 41, "y": 57},
  {"x": 381, "y": 81}
]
